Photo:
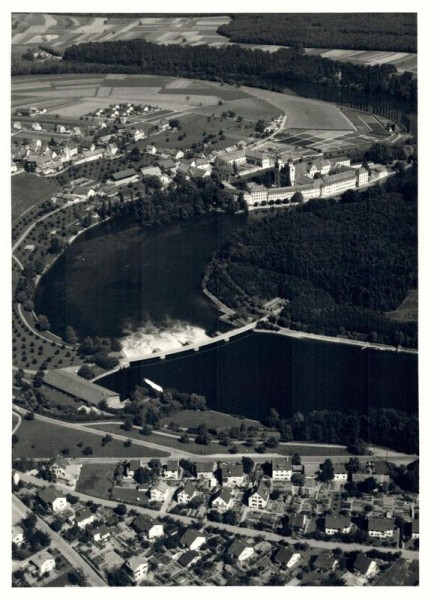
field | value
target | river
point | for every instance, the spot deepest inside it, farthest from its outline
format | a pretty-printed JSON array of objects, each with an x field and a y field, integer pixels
[{"x": 256, "y": 371}]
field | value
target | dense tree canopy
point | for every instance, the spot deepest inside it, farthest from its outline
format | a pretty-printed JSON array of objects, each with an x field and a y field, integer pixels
[
  {"x": 340, "y": 266},
  {"x": 361, "y": 31}
]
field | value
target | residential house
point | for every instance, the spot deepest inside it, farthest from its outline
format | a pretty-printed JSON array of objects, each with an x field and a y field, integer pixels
[
  {"x": 137, "y": 568},
  {"x": 87, "y": 144},
  {"x": 223, "y": 500},
  {"x": 150, "y": 149},
  {"x": 58, "y": 468},
  {"x": 173, "y": 153},
  {"x": 259, "y": 498},
  {"x": 381, "y": 528},
  {"x": 232, "y": 474},
  {"x": 149, "y": 527},
  {"x": 206, "y": 470},
  {"x": 164, "y": 125},
  {"x": 159, "y": 492},
  {"x": 90, "y": 155},
  {"x": 310, "y": 470},
  {"x": 325, "y": 562},
  {"x": 17, "y": 125},
  {"x": 84, "y": 191},
  {"x": 17, "y": 535},
  {"x": 84, "y": 517},
  {"x": 36, "y": 127},
  {"x": 203, "y": 163},
  {"x": 188, "y": 493},
  {"x": 286, "y": 557},
  {"x": 101, "y": 534},
  {"x": 60, "y": 128},
  {"x": 281, "y": 469},
  {"x": 104, "y": 140},
  {"x": 44, "y": 562},
  {"x": 171, "y": 470},
  {"x": 340, "y": 473},
  {"x": 189, "y": 558},
  {"x": 138, "y": 134},
  {"x": 15, "y": 477},
  {"x": 52, "y": 499},
  {"x": 111, "y": 149},
  {"x": 200, "y": 173},
  {"x": 151, "y": 172},
  {"x": 131, "y": 467},
  {"x": 192, "y": 539},
  {"x": 167, "y": 164},
  {"x": 298, "y": 522},
  {"x": 240, "y": 550},
  {"x": 338, "y": 524},
  {"x": 364, "y": 566}
]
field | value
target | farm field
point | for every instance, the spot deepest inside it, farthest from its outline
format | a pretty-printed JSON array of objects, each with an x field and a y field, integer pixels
[
  {"x": 28, "y": 190},
  {"x": 95, "y": 480},
  {"x": 38, "y": 439},
  {"x": 63, "y": 30},
  {"x": 403, "y": 61},
  {"x": 216, "y": 420}
]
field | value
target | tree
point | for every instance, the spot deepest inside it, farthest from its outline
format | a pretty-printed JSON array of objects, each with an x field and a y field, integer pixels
[
  {"x": 70, "y": 335},
  {"x": 297, "y": 198},
  {"x": 88, "y": 450},
  {"x": 296, "y": 459},
  {"x": 327, "y": 471},
  {"x": 86, "y": 372},
  {"x": 353, "y": 465},
  {"x": 43, "y": 323},
  {"x": 229, "y": 517},
  {"x": 271, "y": 442},
  {"x": 248, "y": 464},
  {"x": 77, "y": 577},
  {"x": 184, "y": 439},
  {"x": 120, "y": 510}
]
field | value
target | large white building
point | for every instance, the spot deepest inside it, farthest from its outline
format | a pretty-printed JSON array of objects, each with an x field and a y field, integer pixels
[{"x": 281, "y": 469}]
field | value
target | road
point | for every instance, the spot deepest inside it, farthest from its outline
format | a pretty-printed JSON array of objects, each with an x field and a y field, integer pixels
[
  {"x": 19, "y": 421},
  {"x": 94, "y": 580},
  {"x": 272, "y": 537}
]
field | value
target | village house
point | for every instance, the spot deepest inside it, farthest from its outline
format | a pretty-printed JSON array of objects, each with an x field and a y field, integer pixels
[
  {"x": 84, "y": 191},
  {"x": 232, "y": 474},
  {"x": 286, "y": 557},
  {"x": 200, "y": 173},
  {"x": 189, "y": 558},
  {"x": 173, "y": 153},
  {"x": 281, "y": 469},
  {"x": 240, "y": 550},
  {"x": 325, "y": 562},
  {"x": 192, "y": 539},
  {"x": 206, "y": 470},
  {"x": 17, "y": 535},
  {"x": 150, "y": 149},
  {"x": 84, "y": 517},
  {"x": 131, "y": 467},
  {"x": 187, "y": 493},
  {"x": 52, "y": 499},
  {"x": 167, "y": 164},
  {"x": 138, "y": 134},
  {"x": 259, "y": 498},
  {"x": 223, "y": 500},
  {"x": 137, "y": 568},
  {"x": 17, "y": 125},
  {"x": 89, "y": 156},
  {"x": 171, "y": 470},
  {"x": 36, "y": 127},
  {"x": 87, "y": 144},
  {"x": 364, "y": 566},
  {"x": 44, "y": 562},
  {"x": 101, "y": 534},
  {"x": 340, "y": 473},
  {"x": 111, "y": 149},
  {"x": 338, "y": 524},
  {"x": 104, "y": 140},
  {"x": 149, "y": 527},
  {"x": 159, "y": 492},
  {"x": 298, "y": 522},
  {"x": 57, "y": 469},
  {"x": 380, "y": 528}
]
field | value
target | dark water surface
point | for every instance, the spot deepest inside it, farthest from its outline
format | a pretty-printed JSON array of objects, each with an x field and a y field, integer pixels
[
  {"x": 119, "y": 276},
  {"x": 257, "y": 371}
]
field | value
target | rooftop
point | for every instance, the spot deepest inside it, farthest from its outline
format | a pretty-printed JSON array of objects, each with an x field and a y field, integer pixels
[
  {"x": 77, "y": 386},
  {"x": 123, "y": 174}
]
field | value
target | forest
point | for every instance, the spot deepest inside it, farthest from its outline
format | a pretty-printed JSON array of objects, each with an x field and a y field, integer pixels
[
  {"x": 360, "y": 31},
  {"x": 341, "y": 266},
  {"x": 232, "y": 64}
]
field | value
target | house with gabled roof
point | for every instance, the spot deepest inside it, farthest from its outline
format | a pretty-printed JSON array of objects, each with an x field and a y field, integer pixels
[
  {"x": 325, "y": 561},
  {"x": 159, "y": 492},
  {"x": 149, "y": 527},
  {"x": 101, "y": 534},
  {"x": 232, "y": 474},
  {"x": 340, "y": 472},
  {"x": 259, "y": 498},
  {"x": 17, "y": 535},
  {"x": 206, "y": 470},
  {"x": 338, "y": 524},
  {"x": 192, "y": 539},
  {"x": 137, "y": 568},
  {"x": 84, "y": 517},
  {"x": 364, "y": 566},
  {"x": 286, "y": 557},
  {"x": 52, "y": 499},
  {"x": 188, "y": 493},
  {"x": 223, "y": 500},
  {"x": 281, "y": 469},
  {"x": 44, "y": 562},
  {"x": 240, "y": 550},
  {"x": 171, "y": 470},
  {"x": 189, "y": 558},
  {"x": 381, "y": 528}
]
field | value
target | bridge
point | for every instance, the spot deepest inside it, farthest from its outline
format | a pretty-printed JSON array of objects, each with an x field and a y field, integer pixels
[{"x": 188, "y": 348}]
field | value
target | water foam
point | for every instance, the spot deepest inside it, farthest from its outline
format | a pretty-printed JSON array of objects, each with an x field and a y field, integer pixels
[{"x": 151, "y": 338}]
